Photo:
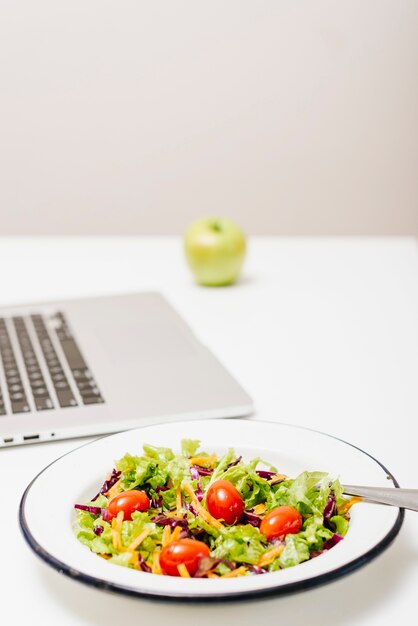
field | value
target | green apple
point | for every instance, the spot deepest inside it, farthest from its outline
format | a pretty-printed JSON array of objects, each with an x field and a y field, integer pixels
[{"x": 215, "y": 250}]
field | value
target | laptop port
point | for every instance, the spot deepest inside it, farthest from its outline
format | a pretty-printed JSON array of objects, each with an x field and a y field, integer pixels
[
  {"x": 30, "y": 437},
  {"x": 8, "y": 439}
]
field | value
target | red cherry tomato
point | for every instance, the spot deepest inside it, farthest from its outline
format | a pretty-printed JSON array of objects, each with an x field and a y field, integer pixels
[
  {"x": 282, "y": 521},
  {"x": 187, "y": 551},
  {"x": 223, "y": 501},
  {"x": 128, "y": 502}
]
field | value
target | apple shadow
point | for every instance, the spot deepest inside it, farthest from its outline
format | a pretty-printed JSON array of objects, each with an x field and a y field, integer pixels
[
  {"x": 242, "y": 281},
  {"x": 341, "y": 602}
]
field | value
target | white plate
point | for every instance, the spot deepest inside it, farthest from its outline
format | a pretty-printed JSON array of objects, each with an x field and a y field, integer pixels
[{"x": 46, "y": 509}]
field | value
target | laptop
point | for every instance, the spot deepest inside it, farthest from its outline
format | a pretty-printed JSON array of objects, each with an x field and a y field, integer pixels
[{"x": 93, "y": 366}]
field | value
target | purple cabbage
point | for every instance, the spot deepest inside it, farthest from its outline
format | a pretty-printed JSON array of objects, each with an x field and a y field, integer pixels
[
  {"x": 114, "y": 477},
  {"x": 95, "y": 510},
  {"x": 98, "y": 530},
  {"x": 157, "y": 503},
  {"x": 237, "y": 460},
  {"x": 265, "y": 474},
  {"x": 331, "y": 507},
  {"x": 255, "y": 569},
  {"x": 207, "y": 563},
  {"x": 169, "y": 521},
  {"x": 203, "y": 471},
  {"x": 273, "y": 477},
  {"x": 192, "y": 510},
  {"x": 276, "y": 541},
  {"x": 143, "y": 565},
  {"x": 250, "y": 518},
  {"x": 184, "y": 534},
  {"x": 195, "y": 475},
  {"x": 330, "y": 543}
]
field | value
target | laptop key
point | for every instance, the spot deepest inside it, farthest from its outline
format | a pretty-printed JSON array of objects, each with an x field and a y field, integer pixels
[
  {"x": 93, "y": 400},
  {"x": 79, "y": 368},
  {"x": 19, "y": 406},
  {"x": 62, "y": 389},
  {"x": 2, "y": 407},
  {"x": 33, "y": 370},
  {"x": 66, "y": 397},
  {"x": 16, "y": 391}
]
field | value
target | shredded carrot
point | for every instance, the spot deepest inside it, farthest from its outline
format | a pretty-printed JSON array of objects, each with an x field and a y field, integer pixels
[
  {"x": 138, "y": 540},
  {"x": 176, "y": 533},
  {"x": 116, "y": 531},
  {"x": 260, "y": 509},
  {"x": 204, "y": 461},
  {"x": 156, "y": 567},
  {"x": 115, "y": 539},
  {"x": 269, "y": 556},
  {"x": 205, "y": 515},
  {"x": 166, "y": 536},
  {"x": 178, "y": 502},
  {"x": 346, "y": 506},
  {"x": 239, "y": 571},
  {"x": 183, "y": 571},
  {"x": 277, "y": 478}
]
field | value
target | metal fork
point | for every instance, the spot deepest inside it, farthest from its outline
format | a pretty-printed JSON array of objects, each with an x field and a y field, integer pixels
[{"x": 403, "y": 498}]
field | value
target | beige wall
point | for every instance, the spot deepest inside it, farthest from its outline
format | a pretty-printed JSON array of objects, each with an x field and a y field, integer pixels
[{"x": 128, "y": 116}]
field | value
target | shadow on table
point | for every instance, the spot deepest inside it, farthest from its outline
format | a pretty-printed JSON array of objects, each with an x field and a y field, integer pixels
[{"x": 345, "y": 601}]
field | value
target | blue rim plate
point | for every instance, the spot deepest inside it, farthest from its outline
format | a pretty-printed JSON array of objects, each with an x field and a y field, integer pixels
[{"x": 75, "y": 476}]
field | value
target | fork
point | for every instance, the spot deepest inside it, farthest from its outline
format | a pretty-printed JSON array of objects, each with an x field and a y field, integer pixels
[{"x": 403, "y": 498}]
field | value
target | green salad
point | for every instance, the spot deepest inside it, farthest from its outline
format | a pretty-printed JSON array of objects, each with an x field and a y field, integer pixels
[{"x": 202, "y": 515}]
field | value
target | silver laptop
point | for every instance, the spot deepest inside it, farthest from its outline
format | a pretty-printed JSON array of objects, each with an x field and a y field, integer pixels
[{"x": 100, "y": 365}]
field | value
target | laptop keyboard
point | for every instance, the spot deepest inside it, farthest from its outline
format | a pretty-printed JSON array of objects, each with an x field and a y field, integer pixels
[
  {"x": 36, "y": 379},
  {"x": 42, "y": 366},
  {"x": 60, "y": 382},
  {"x": 15, "y": 388}
]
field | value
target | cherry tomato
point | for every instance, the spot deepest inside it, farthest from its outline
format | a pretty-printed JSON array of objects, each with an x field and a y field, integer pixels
[
  {"x": 223, "y": 501},
  {"x": 187, "y": 551},
  {"x": 280, "y": 522},
  {"x": 128, "y": 502}
]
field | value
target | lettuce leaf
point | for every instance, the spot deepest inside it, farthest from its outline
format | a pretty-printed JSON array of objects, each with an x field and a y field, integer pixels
[
  {"x": 295, "y": 551},
  {"x": 341, "y": 524},
  {"x": 132, "y": 528},
  {"x": 160, "y": 454},
  {"x": 83, "y": 527},
  {"x": 189, "y": 447},
  {"x": 243, "y": 544},
  {"x": 140, "y": 470}
]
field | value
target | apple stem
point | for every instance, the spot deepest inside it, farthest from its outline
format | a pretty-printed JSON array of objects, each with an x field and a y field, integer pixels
[{"x": 216, "y": 226}]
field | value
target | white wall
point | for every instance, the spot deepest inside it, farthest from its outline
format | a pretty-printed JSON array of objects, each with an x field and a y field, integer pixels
[{"x": 133, "y": 116}]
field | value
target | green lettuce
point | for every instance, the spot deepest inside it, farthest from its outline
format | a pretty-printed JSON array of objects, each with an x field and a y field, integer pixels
[
  {"x": 141, "y": 470},
  {"x": 84, "y": 525},
  {"x": 243, "y": 544},
  {"x": 341, "y": 524},
  {"x": 295, "y": 551},
  {"x": 189, "y": 447}
]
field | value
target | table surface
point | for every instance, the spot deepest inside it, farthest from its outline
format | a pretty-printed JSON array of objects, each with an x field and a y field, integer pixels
[{"x": 321, "y": 333}]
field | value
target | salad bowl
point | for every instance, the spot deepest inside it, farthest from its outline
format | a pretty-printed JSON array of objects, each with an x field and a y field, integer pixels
[{"x": 79, "y": 474}]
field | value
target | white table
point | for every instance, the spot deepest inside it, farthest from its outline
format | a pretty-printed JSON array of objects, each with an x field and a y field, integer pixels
[{"x": 322, "y": 333}]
